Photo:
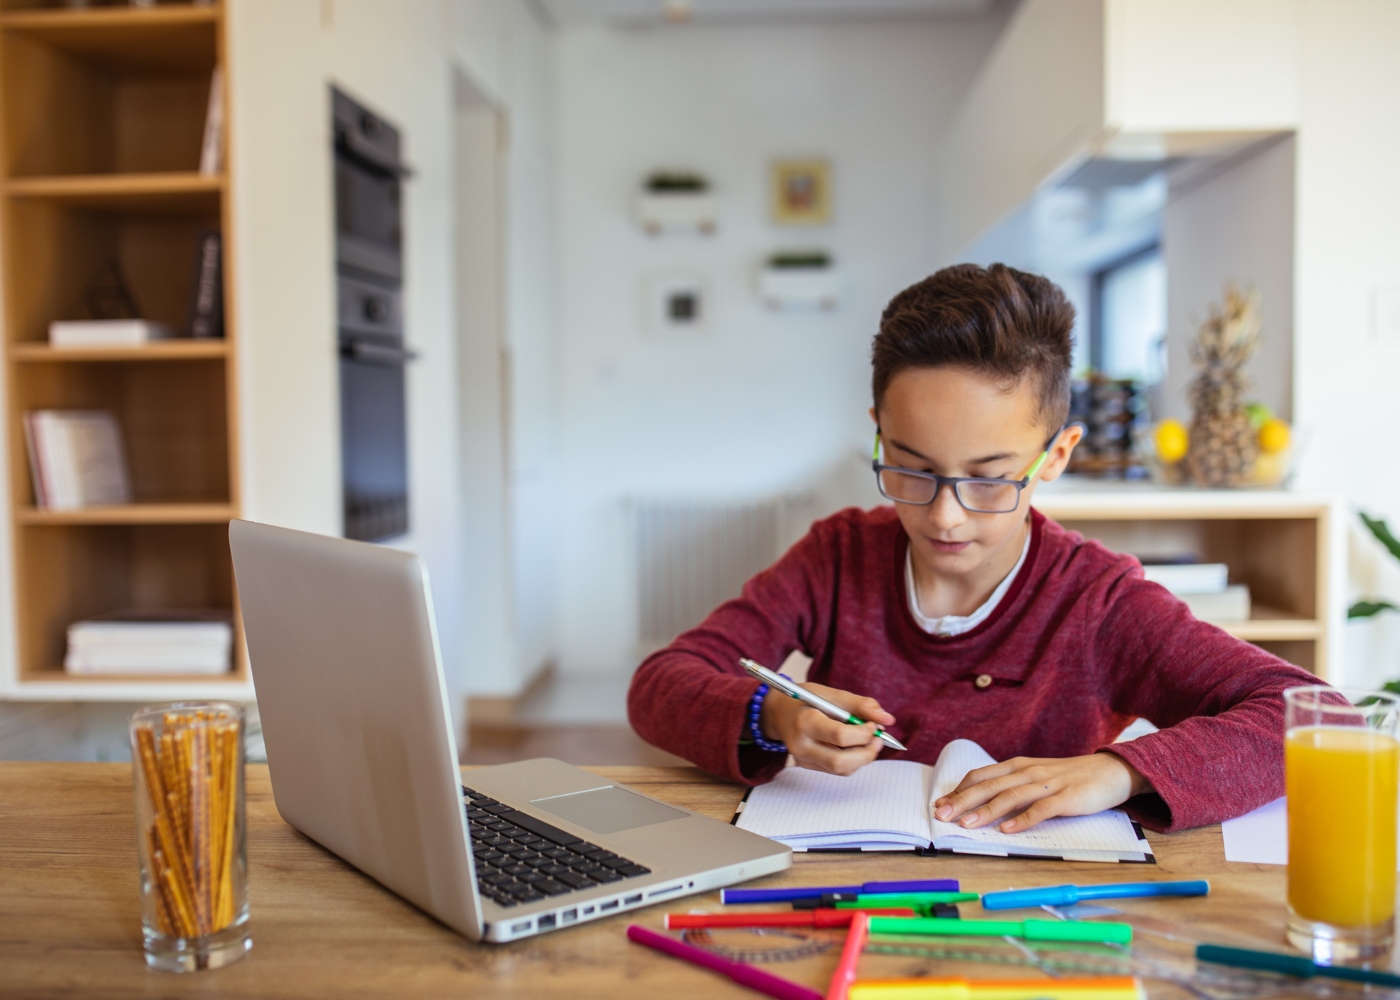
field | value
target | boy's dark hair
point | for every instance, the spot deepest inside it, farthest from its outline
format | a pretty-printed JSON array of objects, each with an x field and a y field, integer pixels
[{"x": 997, "y": 321}]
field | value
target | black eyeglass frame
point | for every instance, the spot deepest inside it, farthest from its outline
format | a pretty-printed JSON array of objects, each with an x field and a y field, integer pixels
[{"x": 956, "y": 481}]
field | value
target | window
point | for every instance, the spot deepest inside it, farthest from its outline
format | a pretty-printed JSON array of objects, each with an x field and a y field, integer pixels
[{"x": 1129, "y": 317}]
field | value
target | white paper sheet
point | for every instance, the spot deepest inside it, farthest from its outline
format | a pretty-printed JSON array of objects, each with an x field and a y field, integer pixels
[{"x": 1261, "y": 836}]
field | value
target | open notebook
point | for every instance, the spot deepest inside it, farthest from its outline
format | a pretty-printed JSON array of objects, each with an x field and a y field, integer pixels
[{"x": 887, "y": 806}]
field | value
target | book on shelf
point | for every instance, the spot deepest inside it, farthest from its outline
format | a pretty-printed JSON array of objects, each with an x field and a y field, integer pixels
[
  {"x": 1227, "y": 607},
  {"x": 151, "y": 642},
  {"x": 106, "y": 332},
  {"x": 207, "y": 290},
  {"x": 76, "y": 459},
  {"x": 1189, "y": 578},
  {"x": 1205, "y": 588},
  {"x": 211, "y": 153}
]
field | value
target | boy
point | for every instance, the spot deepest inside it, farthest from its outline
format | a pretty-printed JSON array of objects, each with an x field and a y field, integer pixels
[{"x": 961, "y": 612}]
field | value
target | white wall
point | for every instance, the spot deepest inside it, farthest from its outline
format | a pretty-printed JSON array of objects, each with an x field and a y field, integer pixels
[
  {"x": 1348, "y": 246},
  {"x": 400, "y": 59},
  {"x": 1234, "y": 224},
  {"x": 1201, "y": 65},
  {"x": 1037, "y": 101},
  {"x": 763, "y": 401}
]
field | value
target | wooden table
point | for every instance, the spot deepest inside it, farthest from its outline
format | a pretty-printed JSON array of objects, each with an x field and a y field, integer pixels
[{"x": 70, "y": 922}]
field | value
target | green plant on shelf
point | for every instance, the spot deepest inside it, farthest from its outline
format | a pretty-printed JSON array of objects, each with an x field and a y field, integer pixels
[{"x": 1368, "y": 609}]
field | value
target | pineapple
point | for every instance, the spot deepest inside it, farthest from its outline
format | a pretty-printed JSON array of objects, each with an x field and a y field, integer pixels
[{"x": 1223, "y": 443}]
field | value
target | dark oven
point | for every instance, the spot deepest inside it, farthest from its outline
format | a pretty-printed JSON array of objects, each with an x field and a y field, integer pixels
[{"x": 369, "y": 273}]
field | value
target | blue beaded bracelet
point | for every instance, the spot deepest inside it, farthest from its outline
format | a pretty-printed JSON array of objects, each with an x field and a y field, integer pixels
[{"x": 756, "y": 726}]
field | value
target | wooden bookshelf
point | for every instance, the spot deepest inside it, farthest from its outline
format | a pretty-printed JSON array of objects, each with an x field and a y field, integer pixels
[
  {"x": 101, "y": 124},
  {"x": 1288, "y": 547}
]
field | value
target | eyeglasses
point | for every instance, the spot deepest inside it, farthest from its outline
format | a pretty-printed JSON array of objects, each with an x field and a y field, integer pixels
[{"x": 976, "y": 494}]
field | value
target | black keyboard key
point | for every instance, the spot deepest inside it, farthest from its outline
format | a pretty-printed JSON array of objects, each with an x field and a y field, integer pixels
[
  {"x": 615, "y": 862},
  {"x": 605, "y": 875},
  {"x": 583, "y": 847},
  {"x": 541, "y": 828},
  {"x": 517, "y": 889},
  {"x": 495, "y": 840},
  {"x": 598, "y": 853},
  {"x": 498, "y": 809},
  {"x": 534, "y": 877},
  {"x": 552, "y": 888},
  {"x": 501, "y": 827},
  {"x": 554, "y": 870},
  {"x": 555, "y": 852},
  {"x": 589, "y": 869},
  {"x": 530, "y": 840},
  {"x": 489, "y": 856},
  {"x": 632, "y": 871},
  {"x": 477, "y": 814},
  {"x": 517, "y": 852},
  {"x": 516, "y": 870},
  {"x": 531, "y": 898},
  {"x": 573, "y": 880},
  {"x": 495, "y": 879},
  {"x": 504, "y": 901}
]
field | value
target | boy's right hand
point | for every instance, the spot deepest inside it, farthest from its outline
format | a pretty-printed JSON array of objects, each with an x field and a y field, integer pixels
[{"x": 823, "y": 744}]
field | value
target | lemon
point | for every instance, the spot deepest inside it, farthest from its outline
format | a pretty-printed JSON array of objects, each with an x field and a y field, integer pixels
[
  {"x": 1268, "y": 469},
  {"x": 1171, "y": 440},
  {"x": 1273, "y": 436}
]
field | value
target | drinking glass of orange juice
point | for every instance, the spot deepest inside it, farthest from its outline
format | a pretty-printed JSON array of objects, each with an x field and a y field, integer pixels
[{"x": 1341, "y": 762}]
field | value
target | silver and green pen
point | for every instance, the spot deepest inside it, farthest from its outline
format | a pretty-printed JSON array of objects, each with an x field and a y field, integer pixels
[{"x": 787, "y": 687}]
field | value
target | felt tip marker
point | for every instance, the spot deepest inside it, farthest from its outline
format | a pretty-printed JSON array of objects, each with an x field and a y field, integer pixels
[
  {"x": 816, "y": 892},
  {"x": 781, "y": 918},
  {"x": 1029, "y": 930},
  {"x": 831, "y": 711},
  {"x": 1102, "y": 988},
  {"x": 1068, "y": 895}
]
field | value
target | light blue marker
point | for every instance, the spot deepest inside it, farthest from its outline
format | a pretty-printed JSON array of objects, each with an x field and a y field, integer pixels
[{"x": 1067, "y": 895}]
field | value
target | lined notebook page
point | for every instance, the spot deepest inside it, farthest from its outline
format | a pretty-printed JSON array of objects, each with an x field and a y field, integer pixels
[
  {"x": 884, "y": 805},
  {"x": 1086, "y": 837}
]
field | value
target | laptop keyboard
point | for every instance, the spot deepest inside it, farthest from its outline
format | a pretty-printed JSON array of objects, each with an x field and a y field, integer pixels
[{"x": 520, "y": 859}]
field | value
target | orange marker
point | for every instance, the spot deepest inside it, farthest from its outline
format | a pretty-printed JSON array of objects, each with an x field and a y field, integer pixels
[
  {"x": 845, "y": 973},
  {"x": 781, "y": 918}
]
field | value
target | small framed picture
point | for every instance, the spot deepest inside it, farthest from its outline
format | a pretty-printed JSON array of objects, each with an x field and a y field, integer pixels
[
  {"x": 801, "y": 192},
  {"x": 677, "y": 303}
]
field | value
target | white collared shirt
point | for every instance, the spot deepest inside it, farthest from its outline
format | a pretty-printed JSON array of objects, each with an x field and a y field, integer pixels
[{"x": 958, "y": 624}]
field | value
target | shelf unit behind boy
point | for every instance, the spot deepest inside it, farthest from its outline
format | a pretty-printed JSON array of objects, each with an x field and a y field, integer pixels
[
  {"x": 1287, "y": 547},
  {"x": 102, "y": 117}
]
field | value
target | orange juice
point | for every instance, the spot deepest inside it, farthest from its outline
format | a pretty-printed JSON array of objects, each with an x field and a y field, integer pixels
[{"x": 1341, "y": 824}]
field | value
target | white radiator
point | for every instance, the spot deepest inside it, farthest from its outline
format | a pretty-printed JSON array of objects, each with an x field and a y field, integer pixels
[{"x": 693, "y": 556}]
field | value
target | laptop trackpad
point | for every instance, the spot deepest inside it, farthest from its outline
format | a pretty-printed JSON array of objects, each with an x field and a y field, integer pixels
[{"x": 608, "y": 810}]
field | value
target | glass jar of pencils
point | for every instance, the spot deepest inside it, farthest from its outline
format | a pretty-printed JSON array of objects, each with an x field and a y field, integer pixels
[{"x": 187, "y": 760}]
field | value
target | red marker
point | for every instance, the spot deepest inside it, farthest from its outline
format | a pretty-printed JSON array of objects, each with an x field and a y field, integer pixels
[
  {"x": 783, "y": 918},
  {"x": 845, "y": 973}
]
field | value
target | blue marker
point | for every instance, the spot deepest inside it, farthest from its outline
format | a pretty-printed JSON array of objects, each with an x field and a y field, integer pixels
[
  {"x": 1067, "y": 895},
  {"x": 730, "y": 896}
]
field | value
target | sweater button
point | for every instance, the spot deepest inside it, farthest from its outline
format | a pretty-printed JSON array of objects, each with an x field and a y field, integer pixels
[{"x": 983, "y": 681}]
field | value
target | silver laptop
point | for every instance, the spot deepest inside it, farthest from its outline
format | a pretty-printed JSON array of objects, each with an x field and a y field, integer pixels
[{"x": 350, "y": 689}]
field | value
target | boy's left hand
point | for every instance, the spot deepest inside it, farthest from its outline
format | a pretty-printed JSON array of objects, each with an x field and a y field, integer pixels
[{"x": 1031, "y": 789}]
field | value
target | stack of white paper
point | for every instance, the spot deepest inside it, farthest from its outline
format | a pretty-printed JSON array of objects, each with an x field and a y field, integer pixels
[{"x": 144, "y": 643}]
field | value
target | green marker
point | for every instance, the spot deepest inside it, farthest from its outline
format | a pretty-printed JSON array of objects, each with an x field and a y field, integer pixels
[
  {"x": 1029, "y": 930},
  {"x": 903, "y": 900}
]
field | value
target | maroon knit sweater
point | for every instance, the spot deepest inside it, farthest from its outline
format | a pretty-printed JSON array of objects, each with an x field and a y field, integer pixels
[{"x": 1078, "y": 647}]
